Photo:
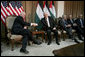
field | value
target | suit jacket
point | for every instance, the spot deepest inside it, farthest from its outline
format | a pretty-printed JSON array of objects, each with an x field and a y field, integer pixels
[
  {"x": 18, "y": 25},
  {"x": 69, "y": 22},
  {"x": 45, "y": 25},
  {"x": 63, "y": 24},
  {"x": 79, "y": 23},
  {"x": 59, "y": 24}
]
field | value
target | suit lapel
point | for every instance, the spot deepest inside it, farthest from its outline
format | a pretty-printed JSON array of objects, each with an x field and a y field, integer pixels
[{"x": 45, "y": 22}]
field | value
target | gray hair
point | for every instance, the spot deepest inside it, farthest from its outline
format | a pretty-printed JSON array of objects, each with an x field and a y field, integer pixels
[{"x": 64, "y": 15}]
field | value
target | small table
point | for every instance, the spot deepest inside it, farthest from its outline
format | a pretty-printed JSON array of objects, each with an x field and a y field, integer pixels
[{"x": 38, "y": 32}]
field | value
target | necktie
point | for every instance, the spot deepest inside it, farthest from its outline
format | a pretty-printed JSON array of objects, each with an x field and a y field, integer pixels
[
  {"x": 64, "y": 22},
  {"x": 81, "y": 22},
  {"x": 71, "y": 21}
]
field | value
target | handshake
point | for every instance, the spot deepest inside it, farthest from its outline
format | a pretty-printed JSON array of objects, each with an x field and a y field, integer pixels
[{"x": 34, "y": 24}]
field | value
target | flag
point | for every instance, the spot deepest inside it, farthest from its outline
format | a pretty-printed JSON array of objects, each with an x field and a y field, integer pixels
[
  {"x": 19, "y": 7},
  {"x": 39, "y": 14},
  {"x": 52, "y": 10},
  {"x": 4, "y": 11},
  {"x": 46, "y": 8},
  {"x": 10, "y": 8}
]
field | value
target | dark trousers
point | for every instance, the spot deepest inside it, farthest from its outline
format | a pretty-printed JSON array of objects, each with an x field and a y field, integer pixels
[
  {"x": 49, "y": 34},
  {"x": 79, "y": 31},
  {"x": 26, "y": 37},
  {"x": 69, "y": 32}
]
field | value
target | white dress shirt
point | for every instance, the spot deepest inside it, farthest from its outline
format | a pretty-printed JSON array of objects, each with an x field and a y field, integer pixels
[
  {"x": 48, "y": 22},
  {"x": 81, "y": 22}
]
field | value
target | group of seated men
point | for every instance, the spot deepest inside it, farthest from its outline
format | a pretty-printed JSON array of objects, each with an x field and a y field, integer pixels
[
  {"x": 49, "y": 25},
  {"x": 69, "y": 24}
]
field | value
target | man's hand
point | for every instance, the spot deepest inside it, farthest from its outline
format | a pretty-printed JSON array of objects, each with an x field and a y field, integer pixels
[
  {"x": 82, "y": 26},
  {"x": 25, "y": 27},
  {"x": 54, "y": 28},
  {"x": 68, "y": 25},
  {"x": 74, "y": 24},
  {"x": 34, "y": 24}
]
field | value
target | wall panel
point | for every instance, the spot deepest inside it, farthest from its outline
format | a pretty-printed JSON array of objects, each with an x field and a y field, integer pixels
[{"x": 74, "y": 7}]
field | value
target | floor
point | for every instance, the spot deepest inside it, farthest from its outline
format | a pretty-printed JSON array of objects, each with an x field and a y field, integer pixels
[{"x": 36, "y": 50}]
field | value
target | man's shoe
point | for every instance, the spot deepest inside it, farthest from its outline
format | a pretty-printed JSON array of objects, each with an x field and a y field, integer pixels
[
  {"x": 81, "y": 39},
  {"x": 24, "y": 51},
  {"x": 36, "y": 42},
  {"x": 57, "y": 43},
  {"x": 49, "y": 43},
  {"x": 76, "y": 41}
]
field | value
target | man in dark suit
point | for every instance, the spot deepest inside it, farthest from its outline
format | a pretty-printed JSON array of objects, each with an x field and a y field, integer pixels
[
  {"x": 49, "y": 26},
  {"x": 74, "y": 26},
  {"x": 67, "y": 27},
  {"x": 80, "y": 23},
  {"x": 71, "y": 21},
  {"x": 59, "y": 23},
  {"x": 20, "y": 28}
]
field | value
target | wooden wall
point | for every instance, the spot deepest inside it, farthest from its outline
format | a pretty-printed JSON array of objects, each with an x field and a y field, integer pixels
[{"x": 74, "y": 7}]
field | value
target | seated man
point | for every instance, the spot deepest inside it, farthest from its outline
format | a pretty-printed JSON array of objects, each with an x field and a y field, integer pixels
[
  {"x": 80, "y": 23},
  {"x": 74, "y": 26},
  {"x": 20, "y": 28},
  {"x": 49, "y": 26},
  {"x": 67, "y": 27},
  {"x": 59, "y": 23}
]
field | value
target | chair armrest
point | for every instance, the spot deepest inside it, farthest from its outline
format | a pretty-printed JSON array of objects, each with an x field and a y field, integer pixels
[
  {"x": 9, "y": 35},
  {"x": 16, "y": 37}
]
